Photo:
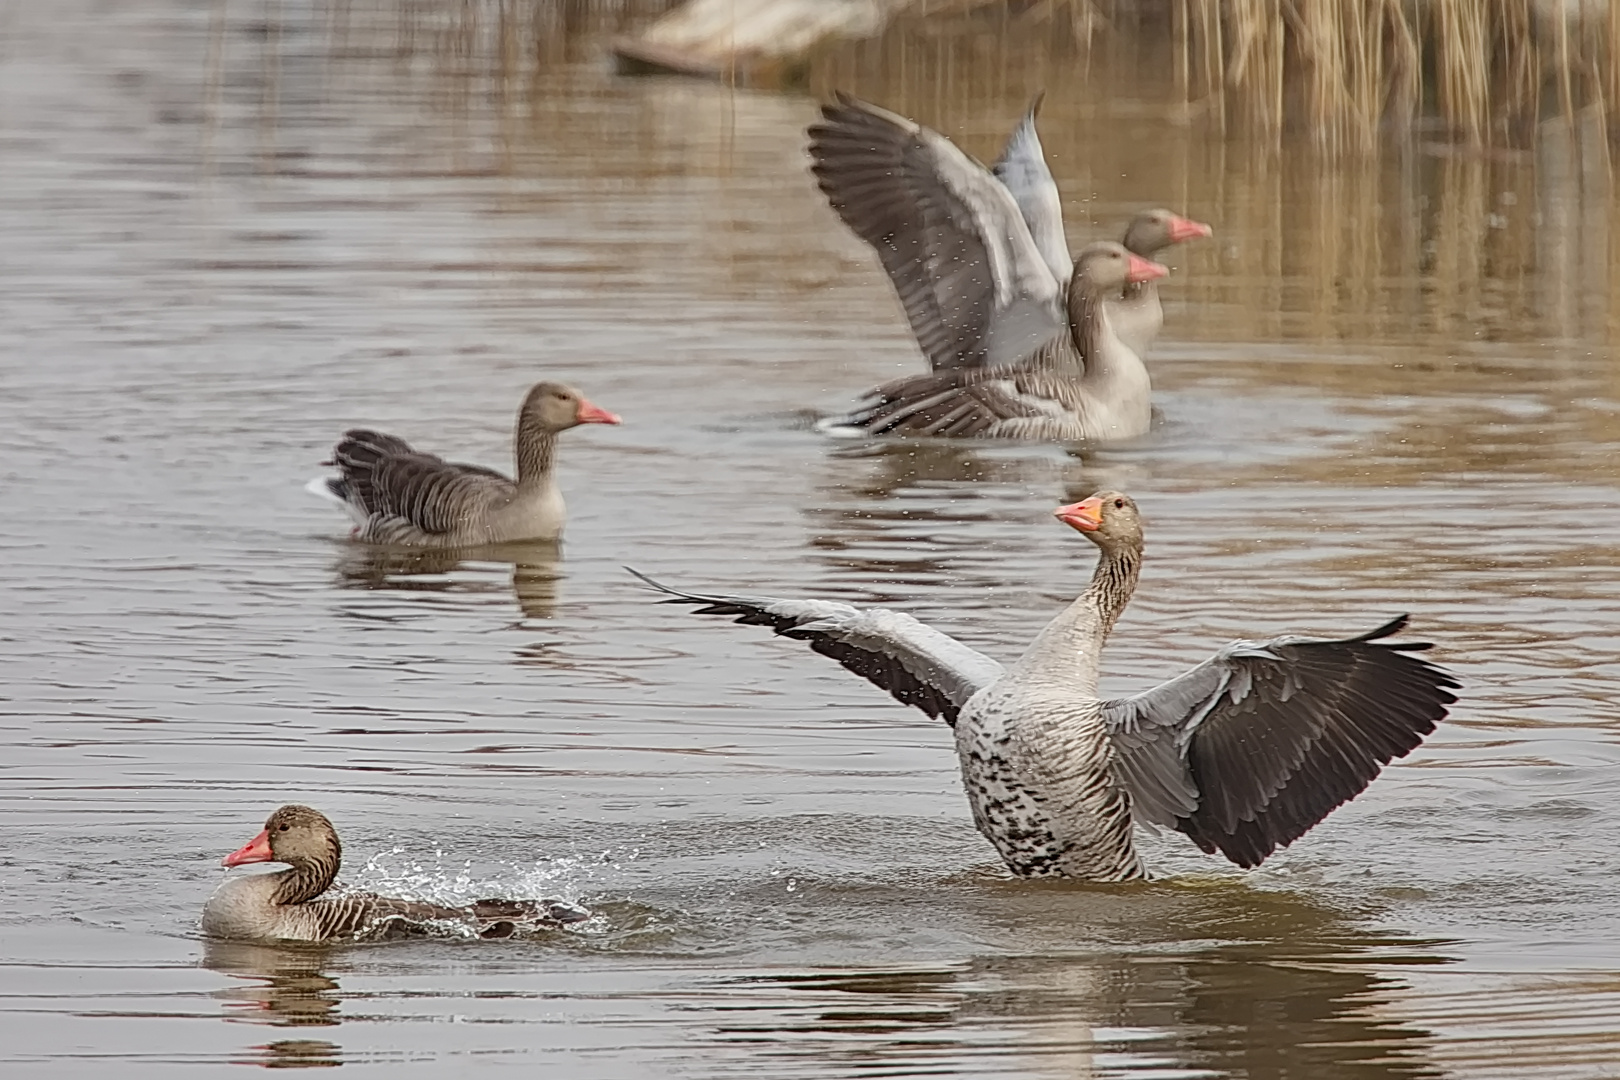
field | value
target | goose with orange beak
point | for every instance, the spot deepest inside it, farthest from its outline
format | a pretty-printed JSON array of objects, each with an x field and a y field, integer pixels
[
  {"x": 289, "y": 904},
  {"x": 1086, "y": 385},
  {"x": 398, "y": 495},
  {"x": 978, "y": 257},
  {"x": 1244, "y": 753}
]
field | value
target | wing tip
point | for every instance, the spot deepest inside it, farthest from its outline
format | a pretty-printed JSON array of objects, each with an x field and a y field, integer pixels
[
  {"x": 1390, "y": 628},
  {"x": 659, "y": 586}
]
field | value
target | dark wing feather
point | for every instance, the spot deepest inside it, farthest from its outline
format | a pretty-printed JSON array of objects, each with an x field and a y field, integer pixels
[
  {"x": 370, "y": 915},
  {"x": 956, "y": 248},
  {"x": 969, "y": 403},
  {"x": 392, "y": 484},
  {"x": 916, "y": 664},
  {"x": 1248, "y": 751}
]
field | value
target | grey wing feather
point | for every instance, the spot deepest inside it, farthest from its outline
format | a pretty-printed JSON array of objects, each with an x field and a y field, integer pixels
[
  {"x": 967, "y": 404},
  {"x": 1252, "y": 748},
  {"x": 916, "y": 664},
  {"x": 1023, "y": 171},
  {"x": 975, "y": 288},
  {"x": 400, "y": 490},
  {"x": 370, "y": 915}
]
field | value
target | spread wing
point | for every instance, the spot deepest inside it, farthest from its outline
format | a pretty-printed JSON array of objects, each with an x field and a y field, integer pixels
[
  {"x": 1023, "y": 171},
  {"x": 916, "y": 664},
  {"x": 1250, "y": 749},
  {"x": 397, "y": 490},
  {"x": 956, "y": 247}
]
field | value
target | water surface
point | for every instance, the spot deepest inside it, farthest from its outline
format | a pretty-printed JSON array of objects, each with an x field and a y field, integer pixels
[{"x": 1386, "y": 386}]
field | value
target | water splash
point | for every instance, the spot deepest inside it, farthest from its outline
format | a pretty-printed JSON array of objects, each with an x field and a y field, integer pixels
[{"x": 459, "y": 882}]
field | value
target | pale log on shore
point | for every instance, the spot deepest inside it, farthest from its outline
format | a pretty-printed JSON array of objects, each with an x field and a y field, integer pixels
[{"x": 749, "y": 42}]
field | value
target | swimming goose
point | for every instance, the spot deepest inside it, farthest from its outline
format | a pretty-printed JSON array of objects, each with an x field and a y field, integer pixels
[
  {"x": 286, "y": 904},
  {"x": 977, "y": 257},
  {"x": 1137, "y": 314},
  {"x": 398, "y": 495},
  {"x": 1243, "y": 753},
  {"x": 1085, "y": 385}
]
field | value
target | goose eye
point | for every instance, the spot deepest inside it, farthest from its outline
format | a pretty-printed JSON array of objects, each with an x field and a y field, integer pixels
[
  {"x": 1119, "y": 504},
  {"x": 284, "y": 828}
]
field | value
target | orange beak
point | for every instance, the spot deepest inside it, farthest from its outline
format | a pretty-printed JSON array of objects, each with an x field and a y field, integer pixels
[
  {"x": 255, "y": 850},
  {"x": 1186, "y": 229},
  {"x": 590, "y": 414},
  {"x": 1142, "y": 270},
  {"x": 1085, "y": 515}
]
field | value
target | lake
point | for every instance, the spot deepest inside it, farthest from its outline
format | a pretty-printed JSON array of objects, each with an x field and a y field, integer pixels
[{"x": 229, "y": 232}]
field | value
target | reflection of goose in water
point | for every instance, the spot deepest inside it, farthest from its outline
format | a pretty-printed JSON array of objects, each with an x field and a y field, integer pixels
[
  {"x": 289, "y": 904},
  {"x": 281, "y": 986},
  {"x": 1212, "y": 980},
  {"x": 536, "y": 571},
  {"x": 398, "y": 495},
  {"x": 1244, "y": 753},
  {"x": 287, "y": 985}
]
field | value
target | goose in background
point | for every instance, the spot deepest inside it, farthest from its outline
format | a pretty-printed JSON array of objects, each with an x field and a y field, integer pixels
[
  {"x": 398, "y": 495},
  {"x": 1244, "y": 753},
  {"x": 1085, "y": 385},
  {"x": 978, "y": 257},
  {"x": 287, "y": 904}
]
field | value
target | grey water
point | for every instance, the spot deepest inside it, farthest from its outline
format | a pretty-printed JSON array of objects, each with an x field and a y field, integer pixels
[{"x": 228, "y": 232}]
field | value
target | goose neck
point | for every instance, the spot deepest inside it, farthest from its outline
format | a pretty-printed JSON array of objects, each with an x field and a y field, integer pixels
[
  {"x": 1069, "y": 650},
  {"x": 304, "y": 880},
  {"x": 535, "y": 449}
]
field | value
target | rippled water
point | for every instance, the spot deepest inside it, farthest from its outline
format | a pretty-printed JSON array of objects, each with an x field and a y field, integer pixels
[{"x": 227, "y": 234}]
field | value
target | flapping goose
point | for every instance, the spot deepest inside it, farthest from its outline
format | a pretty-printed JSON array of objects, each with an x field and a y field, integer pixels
[
  {"x": 1086, "y": 385},
  {"x": 978, "y": 258},
  {"x": 1244, "y": 753},
  {"x": 287, "y": 904},
  {"x": 398, "y": 495}
]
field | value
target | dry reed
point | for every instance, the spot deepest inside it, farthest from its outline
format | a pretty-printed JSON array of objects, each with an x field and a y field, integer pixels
[{"x": 1484, "y": 70}]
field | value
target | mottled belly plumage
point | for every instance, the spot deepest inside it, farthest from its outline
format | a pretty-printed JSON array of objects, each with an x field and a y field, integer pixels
[{"x": 1015, "y": 816}]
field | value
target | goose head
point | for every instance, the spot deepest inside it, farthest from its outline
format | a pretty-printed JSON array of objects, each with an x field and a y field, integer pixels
[
  {"x": 554, "y": 407},
  {"x": 1108, "y": 267},
  {"x": 1152, "y": 231},
  {"x": 1108, "y": 519},
  {"x": 295, "y": 835}
]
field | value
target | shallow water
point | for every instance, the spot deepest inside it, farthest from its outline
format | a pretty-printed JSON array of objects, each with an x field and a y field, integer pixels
[{"x": 1387, "y": 386}]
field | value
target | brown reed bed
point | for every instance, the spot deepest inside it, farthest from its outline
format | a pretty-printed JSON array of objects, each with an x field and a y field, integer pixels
[
  {"x": 1485, "y": 71},
  {"x": 1346, "y": 73}
]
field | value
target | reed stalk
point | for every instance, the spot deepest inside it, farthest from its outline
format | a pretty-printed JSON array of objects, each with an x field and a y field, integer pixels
[{"x": 1346, "y": 70}]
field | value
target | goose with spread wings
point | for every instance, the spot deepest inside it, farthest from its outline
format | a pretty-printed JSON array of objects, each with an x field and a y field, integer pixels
[
  {"x": 978, "y": 257},
  {"x": 1086, "y": 386},
  {"x": 1244, "y": 753}
]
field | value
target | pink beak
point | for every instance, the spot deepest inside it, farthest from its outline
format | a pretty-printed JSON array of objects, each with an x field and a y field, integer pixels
[
  {"x": 1186, "y": 229},
  {"x": 1143, "y": 270},
  {"x": 255, "y": 850},
  {"x": 1085, "y": 515},
  {"x": 590, "y": 414}
]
